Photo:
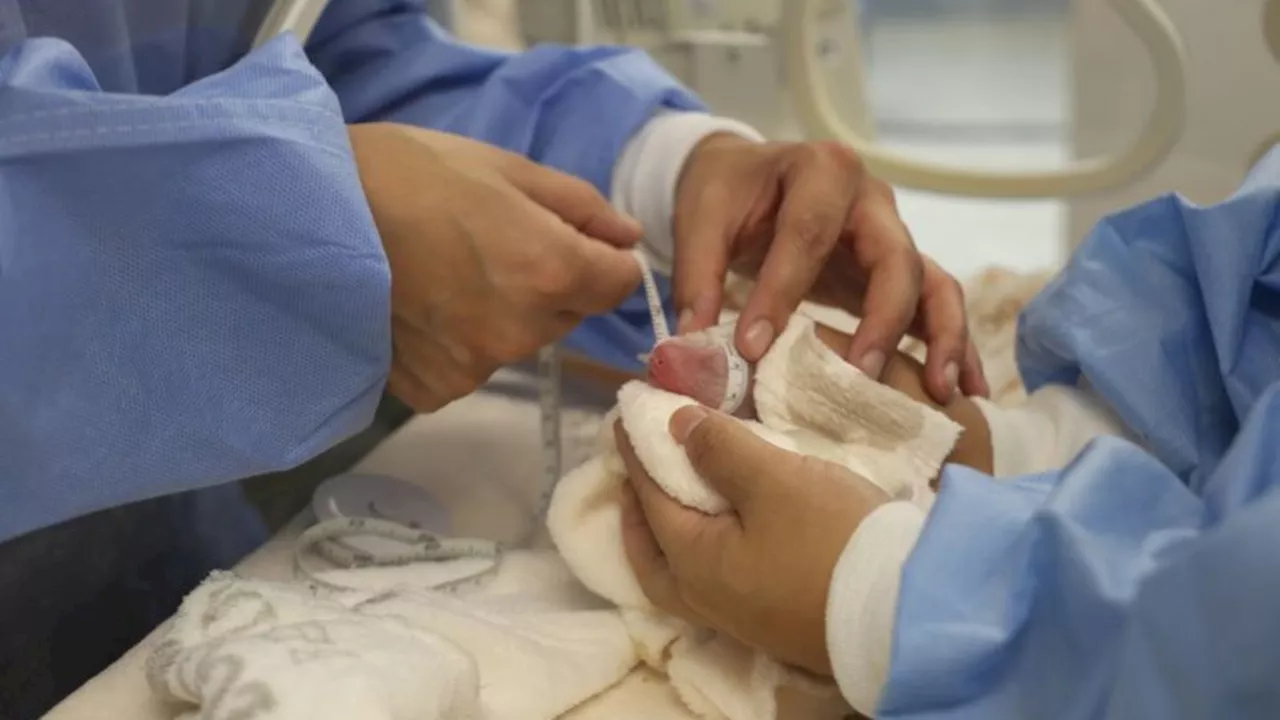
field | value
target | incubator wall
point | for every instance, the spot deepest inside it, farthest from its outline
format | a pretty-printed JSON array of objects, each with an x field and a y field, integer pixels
[
  {"x": 990, "y": 84},
  {"x": 1233, "y": 109},
  {"x": 974, "y": 84},
  {"x": 964, "y": 82}
]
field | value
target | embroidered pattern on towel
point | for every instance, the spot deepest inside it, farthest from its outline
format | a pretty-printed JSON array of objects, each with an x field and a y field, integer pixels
[
  {"x": 256, "y": 650},
  {"x": 810, "y": 401}
]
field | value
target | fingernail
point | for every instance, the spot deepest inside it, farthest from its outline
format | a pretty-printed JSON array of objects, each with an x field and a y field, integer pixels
[
  {"x": 758, "y": 338},
  {"x": 634, "y": 223},
  {"x": 684, "y": 420},
  {"x": 685, "y": 323},
  {"x": 951, "y": 373},
  {"x": 872, "y": 363}
]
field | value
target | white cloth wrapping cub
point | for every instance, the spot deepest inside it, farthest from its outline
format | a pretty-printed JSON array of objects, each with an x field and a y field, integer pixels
[
  {"x": 808, "y": 400},
  {"x": 532, "y": 644}
]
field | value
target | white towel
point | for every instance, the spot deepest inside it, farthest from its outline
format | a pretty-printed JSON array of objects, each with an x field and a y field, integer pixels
[
  {"x": 530, "y": 643},
  {"x": 528, "y": 647},
  {"x": 255, "y": 650},
  {"x": 809, "y": 400}
]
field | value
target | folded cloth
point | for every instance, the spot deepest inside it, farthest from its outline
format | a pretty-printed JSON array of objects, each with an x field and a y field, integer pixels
[
  {"x": 809, "y": 401},
  {"x": 256, "y": 650},
  {"x": 253, "y": 650},
  {"x": 530, "y": 643}
]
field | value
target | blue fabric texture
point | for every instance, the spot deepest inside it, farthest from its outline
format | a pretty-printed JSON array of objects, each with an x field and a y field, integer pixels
[
  {"x": 1138, "y": 582},
  {"x": 191, "y": 286}
]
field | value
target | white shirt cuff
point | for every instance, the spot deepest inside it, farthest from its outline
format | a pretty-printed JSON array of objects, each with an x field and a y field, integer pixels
[
  {"x": 1047, "y": 431},
  {"x": 648, "y": 171},
  {"x": 863, "y": 601}
]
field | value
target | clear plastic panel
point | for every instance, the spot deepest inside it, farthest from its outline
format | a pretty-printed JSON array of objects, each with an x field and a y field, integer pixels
[
  {"x": 1233, "y": 111},
  {"x": 1018, "y": 85},
  {"x": 981, "y": 84}
]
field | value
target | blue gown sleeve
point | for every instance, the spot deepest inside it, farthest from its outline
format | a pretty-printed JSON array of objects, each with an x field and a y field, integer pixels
[
  {"x": 1140, "y": 581},
  {"x": 192, "y": 289},
  {"x": 570, "y": 108}
]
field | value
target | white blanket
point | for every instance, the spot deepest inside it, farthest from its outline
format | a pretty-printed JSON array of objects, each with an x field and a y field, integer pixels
[
  {"x": 809, "y": 401},
  {"x": 530, "y": 643}
]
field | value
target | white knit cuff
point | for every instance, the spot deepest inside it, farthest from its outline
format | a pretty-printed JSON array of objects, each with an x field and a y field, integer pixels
[
  {"x": 648, "y": 171},
  {"x": 1047, "y": 431},
  {"x": 863, "y": 601},
  {"x": 1021, "y": 441}
]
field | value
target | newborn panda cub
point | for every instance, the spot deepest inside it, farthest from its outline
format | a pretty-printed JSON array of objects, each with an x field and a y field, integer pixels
[{"x": 705, "y": 366}]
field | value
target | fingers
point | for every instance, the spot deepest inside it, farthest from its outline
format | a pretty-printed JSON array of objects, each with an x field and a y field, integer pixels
[
  {"x": 973, "y": 379},
  {"x": 642, "y": 547},
  {"x": 520, "y": 338},
  {"x": 424, "y": 374},
  {"x": 821, "y": 188},
  {"x": 665, "y": 542},
  {"x": 575, "y": 201},
  {"x": 702, "y": 261},
  {"x": 402, "y": 384},
  {"x": 424, "y": 392},
  {"x": 646, "y": 558},
  {"x": 945, "y": 330},
  {"x": 674, "y": 526},
  {"x": 894, "y": 269},
  {"x": 567, "y": 271},
  {"x": 600, "y": 277},
  {"x": 738, "y": 464}
]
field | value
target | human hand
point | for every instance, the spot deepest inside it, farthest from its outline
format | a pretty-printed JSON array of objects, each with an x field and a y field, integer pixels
[
  {"x": 808, "y": 221},
  {"x": 492, "y": 256},
  {"x": 696, "y": 365},
  {"x": 760, "y": 573}
]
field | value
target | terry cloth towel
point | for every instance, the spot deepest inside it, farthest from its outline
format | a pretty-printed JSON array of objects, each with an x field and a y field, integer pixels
[
  {"x": 531, "y": 643},
  {"x": 808, "y": 400},
  {"x": 531, "y": 646}
]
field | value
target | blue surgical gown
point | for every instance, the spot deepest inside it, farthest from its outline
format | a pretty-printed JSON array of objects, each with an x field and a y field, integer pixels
[
  {"x": 191, "y": 286},
  {"x": 192, "y": 290},
  {"x": 1142, "y": 581}
]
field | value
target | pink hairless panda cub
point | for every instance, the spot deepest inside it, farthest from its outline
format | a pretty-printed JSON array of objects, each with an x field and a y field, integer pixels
[{"x": 705, "y": 366}]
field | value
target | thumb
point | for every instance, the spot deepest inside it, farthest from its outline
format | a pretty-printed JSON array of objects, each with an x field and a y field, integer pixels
[
  {"x": 576, "y": 202},
  {"x": 603, "y": 276},
  {"x": 736, "y": 462}
]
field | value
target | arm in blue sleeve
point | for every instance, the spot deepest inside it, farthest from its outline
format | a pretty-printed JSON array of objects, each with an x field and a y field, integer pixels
[
  {"x": 570, "y": 108},
  {"x": 1108, "y": 590},
  {"x": 192, "y": 289},
  {"x": 1135, "y": 583}
]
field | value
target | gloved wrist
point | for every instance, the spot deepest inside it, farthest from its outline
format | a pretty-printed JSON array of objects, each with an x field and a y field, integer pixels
[{"x": 863, "y": 599}]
